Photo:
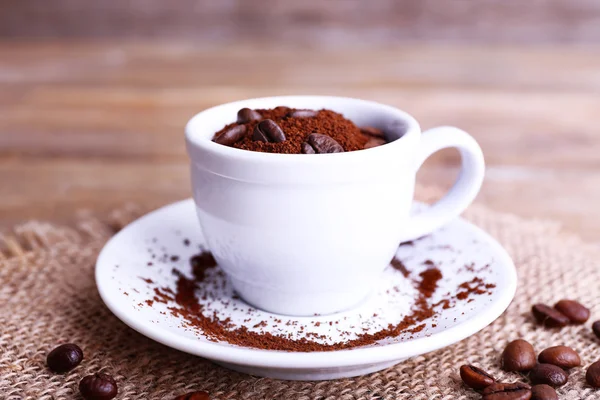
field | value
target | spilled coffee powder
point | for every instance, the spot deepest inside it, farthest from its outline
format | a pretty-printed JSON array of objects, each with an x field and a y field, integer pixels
[{"x": 297, "y": 126}]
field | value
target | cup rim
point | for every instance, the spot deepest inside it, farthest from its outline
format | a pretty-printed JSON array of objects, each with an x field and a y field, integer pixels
[{"x": 207, "y": 145}]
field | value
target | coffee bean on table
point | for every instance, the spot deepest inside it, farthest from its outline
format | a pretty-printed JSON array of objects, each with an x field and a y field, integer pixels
[
  {"x": 369, "y": 130},
  {"x": 592, "y": 376},
  {"x": 246, "y": 115},
  {"x": 303, "y": 113},
  {"x": 194, "y": 396},
  {"x": 507, "y": 391},
  {"x": 548, "y": 374},
  {"x": 321, "y": 144},
  {"x": 561, "y": 356},
  {"x": 574, "y": 310},
  {"x": 64, "y": 358},
  {"x": 596, "y": 328},
  {"x": 543, "y": 392},
  {"x": 548, "y": 316},
  {"x": 231, "y": 135},
  {"x": 98, "y": 387},
  {"x": 268, "y": 131},
  {"x": 518, "y": 356},
  {"x": 475, "y": 378}
]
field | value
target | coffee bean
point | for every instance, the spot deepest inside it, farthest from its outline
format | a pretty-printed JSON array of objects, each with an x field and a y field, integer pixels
[
  {"x": 561, "y": 356},
  {"x": 475, "y": 378},
  {"x": 518, "y": 356},
  {"x": 231, "y": 135},
  {"x": 98, "y": 387},
  {"x": 268, "y": 131},
  {"x": 369, "y": 130},
  {"x": 321, "y": 144},
  {"x": 543, "y": 392},
  {"x": 575, "y": 311},
  {"x": 548, "y": 374},
  {"x": 592, "y": 376},
  {"x": 374, "y": 142},
  {"x": 507, "y": 391},
  {"x": 194, "y": 396},
  {"x": 596, "y": 328},
  {"x": 303, "y": 113},
  {"x": 64, "y": 358},
  {"x": 548, "y": 316},
  {"x": 246, "y": 115}
]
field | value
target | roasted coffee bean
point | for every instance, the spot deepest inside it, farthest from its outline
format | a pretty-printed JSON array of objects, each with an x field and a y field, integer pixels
[
  {"x": 98, "y": 387},
  {"x": 548, "y": 374},
  {"x": 592, "y": 376},
  {"x": 518, "y": 356},
  {"x": 374, "y": 142},
  {"x": 231, "y": 135},
  {"x": 543, "y": 392},
  {"x": 475, "y": 378},
  {"x": 507, "y": 391},
  {"x": 303, "y": 113},
  {"x": 268, "y": 131},
  {"x": 194, "y": 396},
  {"x": 246, "y": 115},
  {"x": 575, "y": 311},
  {"x": 321, "y": 144},
  {"x": 596, "y": 328},
  {"x": 369, "y": 130},
  {"x": 561, "y": 356},
  {"x": 64, "y": 358},
  {"x": 548, "y": 316}
]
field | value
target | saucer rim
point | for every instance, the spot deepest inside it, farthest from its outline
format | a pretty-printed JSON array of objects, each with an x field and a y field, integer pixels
[{"x": 228, "y": 353}]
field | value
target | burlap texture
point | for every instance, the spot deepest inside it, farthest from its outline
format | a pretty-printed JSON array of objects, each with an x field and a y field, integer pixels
[{"x": 48, "y": 296}]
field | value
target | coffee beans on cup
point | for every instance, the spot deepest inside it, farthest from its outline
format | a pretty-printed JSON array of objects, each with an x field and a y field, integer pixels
[
  {"x": 576, "y": 312},
  {"x": 549, "y": 316},
  {"x": 518, "y": 356},
  {"x": 475, "y": 378},
  {"x": 246, "y": 115},
  {"x": 561, "y": 356},
  {"x": 194, "y": 396},
  {"x": 321, "y": 144},
  {"x": 507, "y": 391},
  {"x": 64, "y": 358},
  {"x": 98, "y": 387},
  {"x": 543, "y": 392},
  {"x": 268, "y": 131},
  {"x": 592, "y": 376},
  {"x": 548, "y": 374},
  {"x": 231, "y": 136}
]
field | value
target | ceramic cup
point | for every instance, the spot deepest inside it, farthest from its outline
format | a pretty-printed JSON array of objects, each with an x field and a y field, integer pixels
[{"x": 306, "y": 234}]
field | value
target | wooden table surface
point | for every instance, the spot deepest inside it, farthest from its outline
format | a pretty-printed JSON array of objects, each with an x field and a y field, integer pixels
[{"x": 97, "y": 125}]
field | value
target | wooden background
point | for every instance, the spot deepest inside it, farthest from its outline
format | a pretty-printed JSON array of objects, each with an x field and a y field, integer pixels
[{"x": 94, "y": 95}]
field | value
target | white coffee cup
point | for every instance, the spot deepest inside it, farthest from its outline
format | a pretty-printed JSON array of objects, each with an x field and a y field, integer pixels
[{"x": 306, "y": 234}]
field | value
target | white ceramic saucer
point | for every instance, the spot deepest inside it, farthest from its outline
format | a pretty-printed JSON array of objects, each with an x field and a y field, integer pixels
[{"x": 148, "y": 249}]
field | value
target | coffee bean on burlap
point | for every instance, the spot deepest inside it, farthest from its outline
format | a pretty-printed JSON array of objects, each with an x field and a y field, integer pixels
[
  {"x": 507, "y": 391},
  {"x": 268, "y": 131},
  {"x": 543, "y": 392},
  {"x": 548, "y": 374},
  {"x": 231, "y": 135},
  {"x": 193, "y": 396},
  {"x": 561, "y": 356},
  {"x": 575, "y": 311},
  {"x": 518, "y": 356},
  {"x": 98, "y": 387},
  {"x": 475, "y": 378},
  {"x": 549, "y": 316},
  {"x": 246, "y": 115},
  {"x": 64, "y": 358},
  {"x": 596, "y": 328},
  {"x": 321, "y": 144},
  {"x": 592, "y": 376}
]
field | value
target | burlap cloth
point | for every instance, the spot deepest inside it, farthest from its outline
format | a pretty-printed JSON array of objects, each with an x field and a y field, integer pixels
[{"x": 48, "y": 296}]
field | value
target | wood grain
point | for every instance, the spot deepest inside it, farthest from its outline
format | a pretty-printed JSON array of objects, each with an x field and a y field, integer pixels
[{"x": 96, "y": 125}]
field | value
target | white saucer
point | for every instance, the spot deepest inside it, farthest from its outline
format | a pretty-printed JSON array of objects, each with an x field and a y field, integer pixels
[{"x": 460, "y": 250}]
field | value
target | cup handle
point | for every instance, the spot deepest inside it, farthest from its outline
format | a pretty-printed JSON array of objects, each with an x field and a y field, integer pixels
[{"x": 463, "y": 191}]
